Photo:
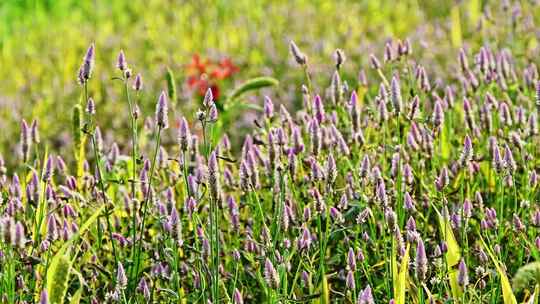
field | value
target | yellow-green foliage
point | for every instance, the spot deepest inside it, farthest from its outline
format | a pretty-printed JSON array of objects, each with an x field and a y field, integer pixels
[
  {"x": 171, "y": 85},
  {"x": 452, "y": 256},
  {"x": 58, "y": 278},
  {"x": 508, "y": 294},
  {"x": 401, "y": 281}
]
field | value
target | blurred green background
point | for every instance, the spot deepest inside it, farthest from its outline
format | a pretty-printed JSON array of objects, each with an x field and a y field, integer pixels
[{"x": 42, "y": 43}]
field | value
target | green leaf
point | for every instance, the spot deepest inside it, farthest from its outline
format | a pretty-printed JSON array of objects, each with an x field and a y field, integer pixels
[
  {"x": 252, "y": 85},
  {"x": 58, "y": 278},
  {"x": 455, "y": 34},
  {"x": 452, "y": 255},
  {"x": 508, "y": 294},
  {"x": 171, "y": 86},
  {"x": 402, "y": 278}
]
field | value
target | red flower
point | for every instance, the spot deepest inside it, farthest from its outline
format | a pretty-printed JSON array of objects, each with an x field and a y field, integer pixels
[{"x": 200, "y": 79}]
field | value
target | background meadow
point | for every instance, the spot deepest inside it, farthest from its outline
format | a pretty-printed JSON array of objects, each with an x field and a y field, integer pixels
[{"x": 269, "y": 151}]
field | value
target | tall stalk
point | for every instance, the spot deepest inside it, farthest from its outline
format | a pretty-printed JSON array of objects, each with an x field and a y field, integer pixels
[
  {"x": 146, "y": 198},
  {"x": 100, "y": 177}
]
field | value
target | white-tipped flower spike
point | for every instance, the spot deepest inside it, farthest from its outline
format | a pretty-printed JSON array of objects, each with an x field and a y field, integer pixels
[
  {"x": 339, "y": 57},
  {"x": 318, "y": 109},
  {"x": 25, "y": 140},
  {"x": 90, "y": 106},
  {"x": 438, "y": 114},
  {"x": 538, "y": 93},
  {"x": 213, "y": 113},
  {"x": 184, "y": 136},
  {"x": 143, "y": 287},
  {"x": 18, "y": 238},
  {"x": 366, "y": 297},
  {"x": 121, "y": 63},
  {"x": 351, "y": 259},
  {"x": 49, "y": 169},
  {"x": 374, "y": 62},
  {"x": 463, "y": 277},
  {"x": 121, "y": 278},
  {"x": 336, "y": 88},
  {"x": 268, "y": 108},
  {"x": 85, "y": 71},
  {"x": 34, "y": 132},
  {"x": 138, "y": 83},
  {"x": 467, "y": 153},
  {"x": 162, "y": 118},
  {"x": 298, "y": 56},
  {"x": 349, "y": 281},
  {"x": 421, "y": 262},
  {"x": 208, "y": 100},
  {"x": 509, "y": 161},
  {"x": 44, "y": 297},
  {"x": 213, "y": 175},
  {"x": 463, "y": 62},
  {"x": 270, "y": 274},
  {"x": 237, "y": 297},
  {"x": 395, "y": 93}
]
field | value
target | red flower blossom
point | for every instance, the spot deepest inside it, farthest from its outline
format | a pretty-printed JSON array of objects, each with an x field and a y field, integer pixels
[{"x": 204, "y": 74}]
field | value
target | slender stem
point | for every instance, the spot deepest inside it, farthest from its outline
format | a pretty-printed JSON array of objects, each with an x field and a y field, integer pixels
[
  {"x": 146, "y": 198},
  {"x": 100, "y": 182}
]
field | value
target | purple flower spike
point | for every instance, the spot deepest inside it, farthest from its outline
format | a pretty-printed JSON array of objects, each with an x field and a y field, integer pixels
[{"x": 162, "y": 118}]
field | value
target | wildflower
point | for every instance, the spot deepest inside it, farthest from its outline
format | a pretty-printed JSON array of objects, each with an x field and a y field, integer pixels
[
  {"x": 34, "y": 132},
  {"x": 90, "y": 106},
  {"x": 49, "y": 169},
  {"x": 318, "y": 109},
  {"x": 375, "y": 64},
  {"x": 44, "y": 297},
  {"x": 25, "y": 141},
  {"x": 213, "y": 176},
  {"x": 184, "y": 135},
  {"x": 365, "y": 296},
  {"x": 138, "y": 83},
  {"x": 336, "y": 88},
  {"x": 237, "y": 297},
  {"x": 162, "y": 118},
  {"x": 463, "y": 277},
  {"x": 85, "y": 71},
  {"x": 395, "y": 92},
  {"x": 339, "y": 57},
  {"x": 270, "y": 274},
  {"x": 467, "y": 152},
  {"x": 349, "y": 282},
  {"x": 421, "y": 262},
  {"x": 143, "y": 287},
  {"x": 121, "y": 63},
  {"x": 298, "y": 56},
  {"x": 351, "y": 259},
  {"x": 268, "y": 108}
]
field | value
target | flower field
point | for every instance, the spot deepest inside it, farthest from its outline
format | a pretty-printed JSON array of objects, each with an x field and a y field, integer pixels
[{"x": 379, "y": 161}]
